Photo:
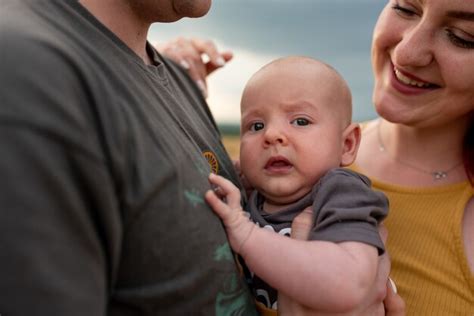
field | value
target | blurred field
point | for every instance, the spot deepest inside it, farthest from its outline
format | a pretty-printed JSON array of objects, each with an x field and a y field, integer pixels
[
  {"x": 230, "y": 137},
  {"x": 231, "y": 143}
]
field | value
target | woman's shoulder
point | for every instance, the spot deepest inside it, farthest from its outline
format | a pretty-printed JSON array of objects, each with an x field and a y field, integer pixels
[
  {"x": 368, "y": 125},
  {"x": 368, "y": 148}
]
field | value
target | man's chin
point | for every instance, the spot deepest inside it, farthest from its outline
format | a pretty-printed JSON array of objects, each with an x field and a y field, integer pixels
[{"x": 192, "y": 8}]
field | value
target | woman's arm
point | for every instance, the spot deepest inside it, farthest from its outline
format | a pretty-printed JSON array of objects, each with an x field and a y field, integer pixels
[
  {"x": 199, "y": 57},
  {"x": 382, "y": 298}
]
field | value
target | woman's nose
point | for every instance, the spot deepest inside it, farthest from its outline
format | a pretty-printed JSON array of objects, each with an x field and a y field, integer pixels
[{"x": 415, "y": 48}]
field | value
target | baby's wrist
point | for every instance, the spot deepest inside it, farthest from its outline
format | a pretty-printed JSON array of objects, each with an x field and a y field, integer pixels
[{"x": 247, "y": 234}]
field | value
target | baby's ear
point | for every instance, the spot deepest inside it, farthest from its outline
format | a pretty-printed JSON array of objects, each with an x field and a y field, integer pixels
[{"x": 350, "y": 144}]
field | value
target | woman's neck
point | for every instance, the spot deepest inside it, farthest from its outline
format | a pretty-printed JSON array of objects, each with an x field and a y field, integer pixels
[
  {"x": 413, "y": 156},
  {"x": 432, "y": 149}
]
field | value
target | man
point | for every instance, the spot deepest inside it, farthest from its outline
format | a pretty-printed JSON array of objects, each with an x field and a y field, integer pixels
[{"x": 106, "y": 149}]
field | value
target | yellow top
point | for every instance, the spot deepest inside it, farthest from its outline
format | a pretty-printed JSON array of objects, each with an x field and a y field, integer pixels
[
  {"x": 265, "y": 311},
  {"x": 425, "y": 243}
]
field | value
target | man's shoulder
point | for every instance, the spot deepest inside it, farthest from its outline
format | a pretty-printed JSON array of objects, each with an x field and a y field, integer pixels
[{"x": 27, "y": 32}]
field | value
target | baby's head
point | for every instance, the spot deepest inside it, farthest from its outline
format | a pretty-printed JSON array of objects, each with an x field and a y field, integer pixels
[
  {"x": 285, "y": 78},
  {"x": 296, "y": 125}
]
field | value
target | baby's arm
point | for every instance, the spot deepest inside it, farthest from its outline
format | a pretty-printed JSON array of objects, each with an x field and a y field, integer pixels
[{"x": 326, "y": 276}]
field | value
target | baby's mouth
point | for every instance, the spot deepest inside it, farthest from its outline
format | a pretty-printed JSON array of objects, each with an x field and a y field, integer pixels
[{"x": 278, "y": 163}]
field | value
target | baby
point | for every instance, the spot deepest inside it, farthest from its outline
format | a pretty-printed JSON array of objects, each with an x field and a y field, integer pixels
[{"x": 296, "y": 133}]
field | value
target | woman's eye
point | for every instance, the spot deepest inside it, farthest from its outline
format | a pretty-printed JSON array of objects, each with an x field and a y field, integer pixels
[
  {"x": 256, "y": 126},
  {"x": 403, "y": 11},
  {"x": 300, "y": 122},
  {"x": 459, "y": 41}
]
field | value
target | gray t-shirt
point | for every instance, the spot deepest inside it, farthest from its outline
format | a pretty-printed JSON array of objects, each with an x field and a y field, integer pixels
[
  {"x": 345, "y": 208},
  {"x": 104, "y": 163}
]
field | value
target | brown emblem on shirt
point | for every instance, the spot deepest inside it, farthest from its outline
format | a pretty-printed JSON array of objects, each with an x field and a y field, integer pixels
[{"x": 212, "y": 160}]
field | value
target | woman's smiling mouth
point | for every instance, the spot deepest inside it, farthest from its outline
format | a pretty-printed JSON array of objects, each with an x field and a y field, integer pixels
[{"x": 412, "y": 81}]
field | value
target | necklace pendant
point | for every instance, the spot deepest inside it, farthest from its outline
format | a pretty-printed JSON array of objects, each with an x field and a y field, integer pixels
[{"x": 439, "y": 175}]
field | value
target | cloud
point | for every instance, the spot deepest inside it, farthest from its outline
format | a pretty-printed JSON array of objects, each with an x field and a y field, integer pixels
[
  {"x": 227, "y": 84},
  {"x": 336, "y": 31}
]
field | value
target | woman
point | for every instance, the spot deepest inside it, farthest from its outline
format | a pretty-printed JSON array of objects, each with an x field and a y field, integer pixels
[{"x": 420, "y": 151}]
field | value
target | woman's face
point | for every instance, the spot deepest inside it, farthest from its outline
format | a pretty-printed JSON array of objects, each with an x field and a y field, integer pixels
[{"x": 423, "y": 61}]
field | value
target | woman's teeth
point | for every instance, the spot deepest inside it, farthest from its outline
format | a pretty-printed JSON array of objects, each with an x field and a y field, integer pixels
[{"x": 408, "y": 81}]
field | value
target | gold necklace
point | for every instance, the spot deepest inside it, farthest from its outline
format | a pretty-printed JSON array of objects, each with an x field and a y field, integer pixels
[{"x": 437, "y": 174}]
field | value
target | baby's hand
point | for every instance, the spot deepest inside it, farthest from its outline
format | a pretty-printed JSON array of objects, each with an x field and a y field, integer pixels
[{"x": 225, "y": 202}]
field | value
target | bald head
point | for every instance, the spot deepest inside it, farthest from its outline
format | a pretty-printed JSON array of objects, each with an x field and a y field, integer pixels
[{"x": 308, "y": 74}]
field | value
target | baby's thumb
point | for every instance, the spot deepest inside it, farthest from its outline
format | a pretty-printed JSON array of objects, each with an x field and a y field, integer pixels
[{"x": 301, "y": 225}]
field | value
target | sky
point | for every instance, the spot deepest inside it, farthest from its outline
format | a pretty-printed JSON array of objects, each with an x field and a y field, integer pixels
[{"x": 338, "y": 32}]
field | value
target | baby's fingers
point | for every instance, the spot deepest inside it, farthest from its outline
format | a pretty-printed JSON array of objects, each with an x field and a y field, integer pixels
[
  {"x": 218, "y": 206},
  {"x": 225, "y": 188},
  {"x": 232, "y": 217}
]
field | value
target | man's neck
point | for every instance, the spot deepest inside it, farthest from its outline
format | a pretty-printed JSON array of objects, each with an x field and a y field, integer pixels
[{"x": 119, "y": 18}]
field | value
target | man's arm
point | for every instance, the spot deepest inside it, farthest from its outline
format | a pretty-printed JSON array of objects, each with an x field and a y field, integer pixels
[{"x": 58, "y": 234}]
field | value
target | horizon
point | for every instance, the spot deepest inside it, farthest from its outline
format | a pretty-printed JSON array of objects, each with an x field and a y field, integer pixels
[{"x": 339, "y": 32}]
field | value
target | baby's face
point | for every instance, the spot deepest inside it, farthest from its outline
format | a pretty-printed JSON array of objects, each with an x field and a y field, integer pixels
[{"x": 291, "y": 133}]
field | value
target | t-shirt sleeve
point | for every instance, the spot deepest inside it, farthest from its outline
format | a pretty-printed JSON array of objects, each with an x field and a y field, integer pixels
[
  {"x": 58, "y": 229},
  {"x": 347, "y": 209}
]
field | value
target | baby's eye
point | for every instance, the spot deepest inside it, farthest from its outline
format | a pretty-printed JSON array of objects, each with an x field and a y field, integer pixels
[
  {"x": 257, "y": 126},
  {"x": 300, "y": 122}
]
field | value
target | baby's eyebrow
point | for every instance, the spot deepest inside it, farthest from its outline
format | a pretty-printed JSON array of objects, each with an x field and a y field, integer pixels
[
  {"x": 249, "y": 116},
  {"x": 301, "y": 106},
  {"x": 252, "y": 112}
]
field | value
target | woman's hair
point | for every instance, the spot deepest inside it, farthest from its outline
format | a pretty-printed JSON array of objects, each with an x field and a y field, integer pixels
[{"x": 468, "y": 152}]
